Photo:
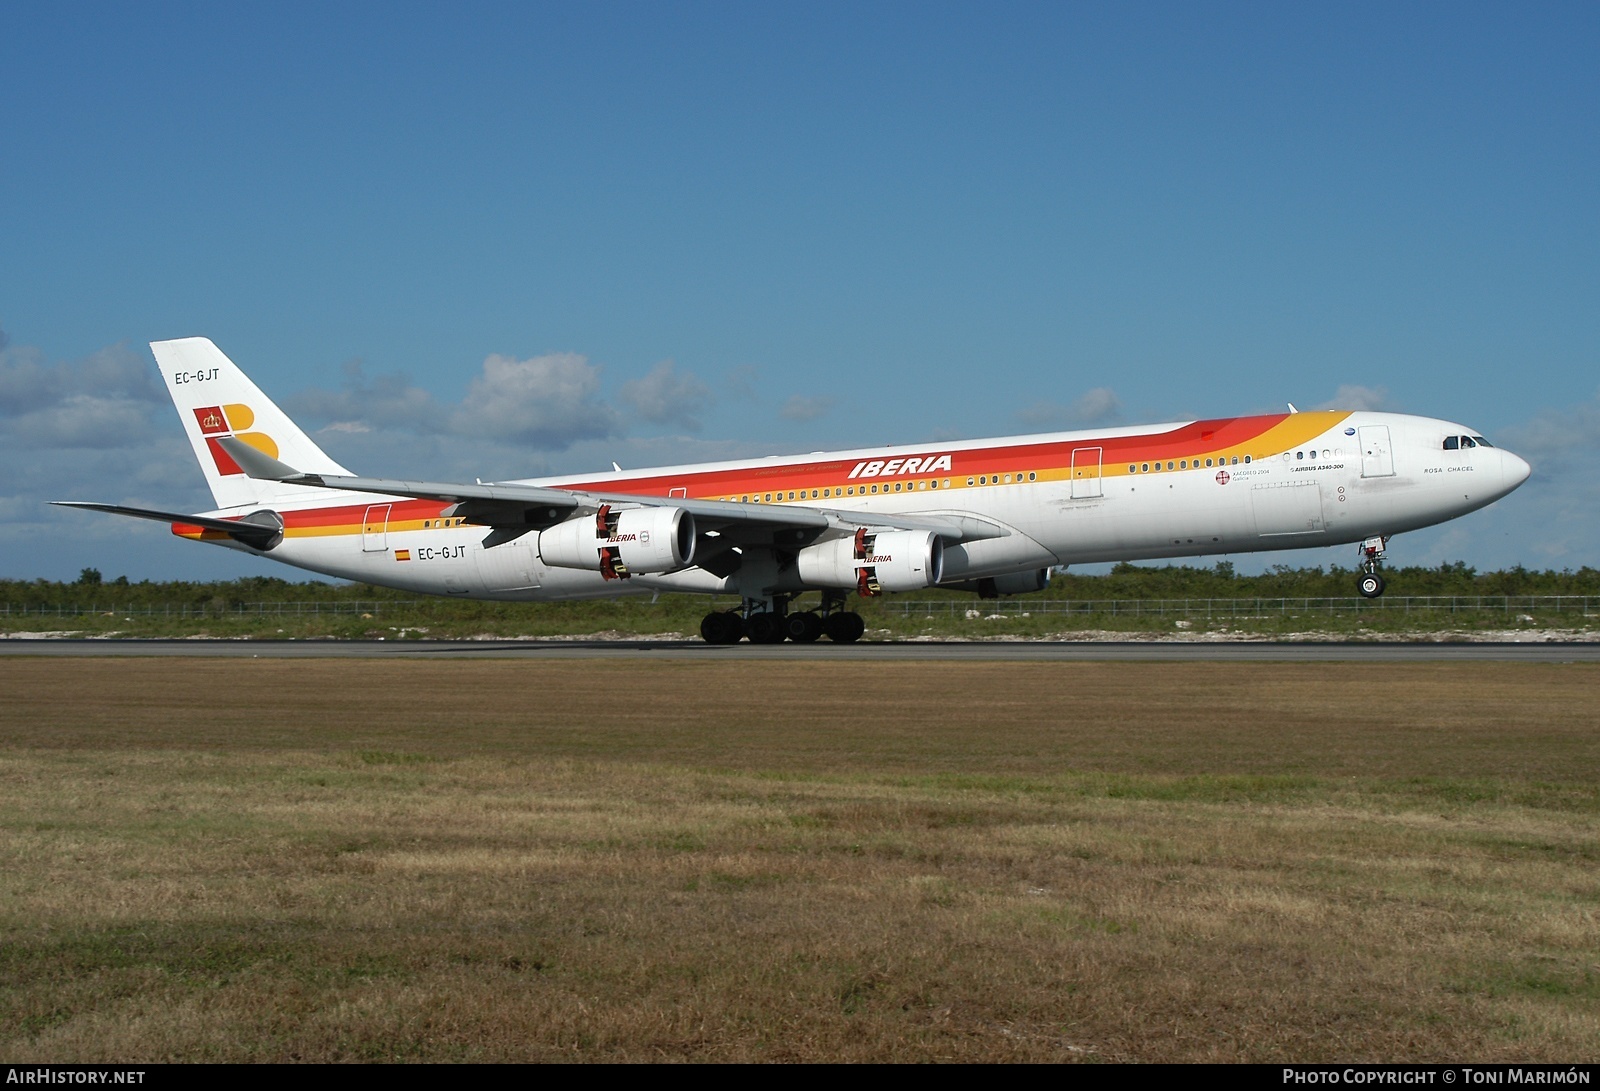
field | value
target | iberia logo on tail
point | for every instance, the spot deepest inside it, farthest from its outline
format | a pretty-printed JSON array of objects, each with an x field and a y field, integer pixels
[{"x": 217, "y": 421}]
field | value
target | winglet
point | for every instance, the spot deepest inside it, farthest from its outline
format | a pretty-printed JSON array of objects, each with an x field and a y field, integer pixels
[{"x": 1292, "y": 409}]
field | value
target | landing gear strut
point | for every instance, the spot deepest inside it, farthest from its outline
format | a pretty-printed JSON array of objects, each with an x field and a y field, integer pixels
[{"x": 1371, "y": 584}]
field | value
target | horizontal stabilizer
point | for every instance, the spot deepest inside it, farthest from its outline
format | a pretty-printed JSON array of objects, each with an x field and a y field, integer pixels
[
  {"x": 261, "y": 535},
  {"x": 257, "y": 463}
]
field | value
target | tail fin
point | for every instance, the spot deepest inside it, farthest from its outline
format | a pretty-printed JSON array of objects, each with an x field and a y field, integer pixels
[{"x": 215, "y": 399}]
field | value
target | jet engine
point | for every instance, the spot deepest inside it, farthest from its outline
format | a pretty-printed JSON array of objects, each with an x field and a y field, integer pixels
[
  {"x": 619, "y": 543},
  {"x": 874, "y": 562}
]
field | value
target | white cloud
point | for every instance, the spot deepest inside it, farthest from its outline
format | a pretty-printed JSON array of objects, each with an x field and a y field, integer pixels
[
  {"x": 1098, "y": 406},
  {"x": 802, "y": 408},
  {"x": 105, "y": 400},
  {"x": 741, "y": 381},
  {"x": 666, "y": 396},
  {"x": 28, "y": 383},
  {"x": 387, "y": 401},
  {"x": 547, "y": 402},
  {"x": 81, "y": 420},
  {"x": 1562, "y": 440},
  {"x": 1355, "y": 397}
]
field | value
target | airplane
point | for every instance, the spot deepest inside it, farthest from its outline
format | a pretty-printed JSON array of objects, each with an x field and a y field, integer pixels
[{"x": 993, "y": 517}]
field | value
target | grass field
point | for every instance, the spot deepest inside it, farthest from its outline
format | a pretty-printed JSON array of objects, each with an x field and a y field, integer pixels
[
  {"x": 890, "y": 618},
  {"x": 503, "y": 860}
]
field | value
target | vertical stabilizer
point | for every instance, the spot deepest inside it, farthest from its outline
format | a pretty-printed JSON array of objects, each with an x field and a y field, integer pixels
[{"x": 215, "y": 399}]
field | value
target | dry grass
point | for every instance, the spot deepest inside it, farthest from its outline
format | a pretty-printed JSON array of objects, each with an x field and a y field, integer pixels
[{"x": 269, "y": 860}]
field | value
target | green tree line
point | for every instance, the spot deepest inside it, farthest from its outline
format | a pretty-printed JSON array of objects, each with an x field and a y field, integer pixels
[{"x": 1125, "y": 581}]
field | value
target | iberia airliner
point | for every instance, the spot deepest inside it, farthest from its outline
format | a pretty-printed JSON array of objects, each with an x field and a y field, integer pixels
[{"x": 987, "y": 516}]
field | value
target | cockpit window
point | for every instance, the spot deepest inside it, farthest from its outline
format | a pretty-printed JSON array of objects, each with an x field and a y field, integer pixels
[
  {"x": 1452, "y": 443},
  {"x": 1466, "y": 442},
  {"x": 1481, "y": 442}
]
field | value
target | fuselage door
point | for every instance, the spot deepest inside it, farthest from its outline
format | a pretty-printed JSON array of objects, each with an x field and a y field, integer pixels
[
  {"x": 375, "y": 529},
  {"x": 1377, "y": 457},
  {"x": 1086, "y": 472}
]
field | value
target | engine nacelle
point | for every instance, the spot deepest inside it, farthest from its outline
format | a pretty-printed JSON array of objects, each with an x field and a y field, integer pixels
[
  {"x": 619, "y": 543},
  {"x": 1016, "y": 583},
  {"x": 869, "y": 563}
]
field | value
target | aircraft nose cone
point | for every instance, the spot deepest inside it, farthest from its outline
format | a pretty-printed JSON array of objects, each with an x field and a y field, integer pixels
[{"x": 1513, "y": 470}]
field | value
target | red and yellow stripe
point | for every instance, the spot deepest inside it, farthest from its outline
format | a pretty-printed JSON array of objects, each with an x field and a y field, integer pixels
[{"x": 1221, "y": 440}]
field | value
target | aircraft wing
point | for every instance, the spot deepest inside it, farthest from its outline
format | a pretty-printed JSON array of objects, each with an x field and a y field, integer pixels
[{"x": 513, "y": 510}]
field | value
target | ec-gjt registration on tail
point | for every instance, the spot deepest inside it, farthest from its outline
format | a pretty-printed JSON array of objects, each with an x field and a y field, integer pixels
[
  {"x": 215, "y": 400},
  {"x": 988, "y": 516}
]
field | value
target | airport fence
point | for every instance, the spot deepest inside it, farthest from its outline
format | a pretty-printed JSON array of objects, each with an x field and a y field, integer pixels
[
  {"x": 1588, "y": 605},
  {"x": 181, "y": 610}
]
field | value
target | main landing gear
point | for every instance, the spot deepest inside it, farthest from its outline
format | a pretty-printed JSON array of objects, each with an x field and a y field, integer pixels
[
  {"x": 771, "y": 623},
  {"x": 1371, "y": 584}
]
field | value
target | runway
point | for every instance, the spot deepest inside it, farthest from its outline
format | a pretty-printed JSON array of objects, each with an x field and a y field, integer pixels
[{"x": 869, "y": 652}]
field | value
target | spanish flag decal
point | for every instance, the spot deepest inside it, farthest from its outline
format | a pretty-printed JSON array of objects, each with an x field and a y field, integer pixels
[{"x": 402, "y": 554}]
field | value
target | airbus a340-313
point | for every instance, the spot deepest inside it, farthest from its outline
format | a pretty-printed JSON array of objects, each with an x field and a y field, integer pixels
[{"x": 993, "y": 517}]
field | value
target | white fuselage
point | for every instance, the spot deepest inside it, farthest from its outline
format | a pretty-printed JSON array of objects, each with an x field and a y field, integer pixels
[{"x": 1246, "y": 485}]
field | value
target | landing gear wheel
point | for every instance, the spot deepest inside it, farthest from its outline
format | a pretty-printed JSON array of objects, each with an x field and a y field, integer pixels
[
  {"x": 764, "y": 629},
  {"x": 721, "y": 627},
  {"x": 844, "y": 627},
  {"x": 803, "y": 628},
  {"x": 1370, "y": 586}
]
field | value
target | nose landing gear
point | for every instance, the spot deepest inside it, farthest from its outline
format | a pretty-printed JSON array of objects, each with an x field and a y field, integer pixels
[{"x": 1371, "y": 585}]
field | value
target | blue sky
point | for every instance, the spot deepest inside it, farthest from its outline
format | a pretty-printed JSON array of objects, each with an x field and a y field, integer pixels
[{"x": 720, "y": 230}]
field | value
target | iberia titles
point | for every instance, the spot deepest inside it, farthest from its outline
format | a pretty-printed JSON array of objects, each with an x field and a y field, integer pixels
[{"x": 901, "y": 467}]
